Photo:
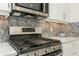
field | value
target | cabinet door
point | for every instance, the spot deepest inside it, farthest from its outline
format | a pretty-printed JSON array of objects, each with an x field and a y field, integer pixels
[
  {"x": 59, "y": 11},
  {"x": 5, "y": 6},
  {"x": 65, "y": 11},
  {"x": 55, "y": 11},
  {"x": 74, "y": 12},
  {"x": 71, "y": 48}
]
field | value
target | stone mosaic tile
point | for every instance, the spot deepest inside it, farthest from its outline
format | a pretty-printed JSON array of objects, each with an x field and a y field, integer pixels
[
  {"x": 18, "y": 21},
  {"x": 4, "y": 35}
]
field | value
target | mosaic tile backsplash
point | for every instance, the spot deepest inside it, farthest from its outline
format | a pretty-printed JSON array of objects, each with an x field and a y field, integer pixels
[
  {"x": 4, "y": 30},
  {"x": 71, "y": 30},
  {"x": 75, "y": 29},
  {"x": 18, "y": 21}
]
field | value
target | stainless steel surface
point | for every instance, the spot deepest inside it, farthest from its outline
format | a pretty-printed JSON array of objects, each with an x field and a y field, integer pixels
[
  {"x": 28, "y": 10},
  {"x": 32, "y": 44},
  {"x": 15, "y": 30},
  {"x": 36, "y": 45},
  {"x": 41, "y": 52}
]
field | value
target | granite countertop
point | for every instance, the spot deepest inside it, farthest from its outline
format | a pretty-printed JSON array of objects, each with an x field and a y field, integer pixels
[
  {"x": 7, "y": 50},
  {"x": 64, "y": 39}
]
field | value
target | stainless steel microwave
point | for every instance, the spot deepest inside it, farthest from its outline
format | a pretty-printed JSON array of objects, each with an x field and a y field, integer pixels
[{"x": 30, "y": 9}]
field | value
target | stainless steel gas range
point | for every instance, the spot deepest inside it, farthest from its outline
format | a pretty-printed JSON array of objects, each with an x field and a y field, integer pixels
[{"x": 28, "y": 41}]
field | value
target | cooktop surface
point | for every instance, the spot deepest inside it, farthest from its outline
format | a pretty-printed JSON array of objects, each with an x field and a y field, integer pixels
[{"x": 26, "y": 44}]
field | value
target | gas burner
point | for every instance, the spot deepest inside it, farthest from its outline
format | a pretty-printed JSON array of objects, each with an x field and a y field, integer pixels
[{"x": 27, "y": 44}]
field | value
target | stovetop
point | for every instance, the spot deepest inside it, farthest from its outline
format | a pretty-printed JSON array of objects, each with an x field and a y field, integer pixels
[{"x": 24, "y": 45}]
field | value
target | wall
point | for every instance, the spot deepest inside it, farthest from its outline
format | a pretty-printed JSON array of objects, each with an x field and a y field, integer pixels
[{"x": 18, "y": 21}]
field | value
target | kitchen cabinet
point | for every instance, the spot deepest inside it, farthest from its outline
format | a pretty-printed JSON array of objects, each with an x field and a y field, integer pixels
[
  {"x": 64, "y": 11},
  {"x": 5, "y": 8},
  {"x": 59, "y": 11},
  {"x": 71, "y": 48},
  {"x": 74, "y": 12}
]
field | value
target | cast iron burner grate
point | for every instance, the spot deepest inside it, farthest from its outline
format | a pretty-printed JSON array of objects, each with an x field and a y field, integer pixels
[{"x": 31, "y": 44}]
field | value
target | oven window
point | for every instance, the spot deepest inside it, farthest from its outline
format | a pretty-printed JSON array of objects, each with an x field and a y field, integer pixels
[{"x": 28, "y": 29}]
